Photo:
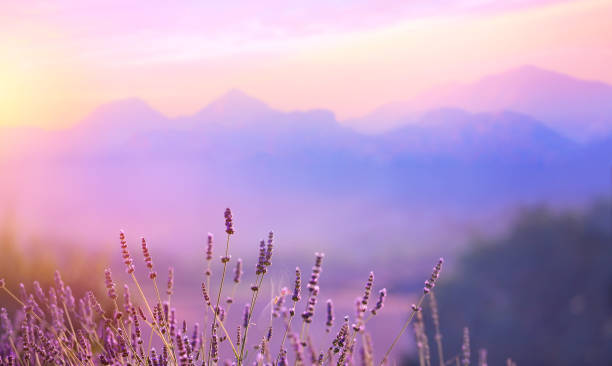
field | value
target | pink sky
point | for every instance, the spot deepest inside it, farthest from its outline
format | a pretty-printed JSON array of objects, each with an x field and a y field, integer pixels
[{"x": 60, "y": 59}]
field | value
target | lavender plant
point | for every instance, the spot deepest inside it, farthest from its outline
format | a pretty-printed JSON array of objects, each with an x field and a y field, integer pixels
[{"x": 55, "y": 328}]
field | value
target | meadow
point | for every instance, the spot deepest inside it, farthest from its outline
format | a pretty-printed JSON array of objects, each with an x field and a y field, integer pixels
[{"x": 54, "y": 326}]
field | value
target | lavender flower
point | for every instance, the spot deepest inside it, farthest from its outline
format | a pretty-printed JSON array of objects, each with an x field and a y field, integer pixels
[
  {"x": 5, "y": 323},
  {"x": 297, "y": 288},
  {"x": 214, "y": 345},
  {"x": 429, "y": 284},
  {"x": 59, "y": 285},
  {"x": 368, "y": 290},
  {"x": 229, "y": 223},
  {"x": 261, "y": 262},
  {"x": 148, "y": 259},
  {"x": 209, "y": 247},
  {"x": 170, "y": 281},
  {"x": 340, "y": 340},
  {"x": 205, "y": 293},
  {"x": 282, "y": 358},
  {"x": 110, "y": 285},
  {"x": 127, "y": 258},
  {"x": 245, "y": 316},
  {"x": 316, "y": 272},
  {"x": 268, "y": 259},
  {"x": 137, "y": 331},
  {"x": 238, "y": 271},
  {"x": 330, "y": 315},
  {"x": 127, "y": 302},
  {"x": 310, "y": 306},
  {"x": 382, "y": 294}
]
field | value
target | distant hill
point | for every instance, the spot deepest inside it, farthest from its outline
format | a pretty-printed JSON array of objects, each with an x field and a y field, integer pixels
[{"x": 576, "y": 108}]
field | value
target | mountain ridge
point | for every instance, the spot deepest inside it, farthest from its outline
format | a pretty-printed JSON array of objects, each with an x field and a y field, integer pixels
[{"x": 580, "y": 109}]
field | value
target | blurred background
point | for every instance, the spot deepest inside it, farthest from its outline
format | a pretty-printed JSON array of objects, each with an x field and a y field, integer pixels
[{"x": 385, "y": 134}]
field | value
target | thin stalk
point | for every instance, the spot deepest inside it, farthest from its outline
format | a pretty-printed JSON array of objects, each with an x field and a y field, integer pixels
[
  {"x": 124, "y": 334},
  {"x": 163, "y": 315},
  {"x": 144, "y": 298},
  {"x": 126, "y": 340},
  {"x": 219, "y": 294},
  {"x": 163, "y": 338},
  {"x": 288, "y": 327},
  {"x": 73, "y": 332},
  {"x": 233, "y": 293},
  {"x": 226, "y": 333},
  {"x": 402, "y": 331},
  {"x": 251, "y": 309}
]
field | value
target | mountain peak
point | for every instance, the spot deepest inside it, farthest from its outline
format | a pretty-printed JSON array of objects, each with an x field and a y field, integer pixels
[
  {"x": 130, "y": 111},
  {"x": 236, "y": 98},
  {"x": 235, "y": 107}
]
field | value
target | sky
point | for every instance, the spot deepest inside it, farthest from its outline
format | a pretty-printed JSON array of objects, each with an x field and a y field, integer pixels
[{"x": 59, "y": 60}]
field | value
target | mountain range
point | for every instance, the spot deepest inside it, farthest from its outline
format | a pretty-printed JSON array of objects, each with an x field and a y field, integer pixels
[
  {"x": 575, "y": 108},
  {"x": 430, "y": 170}
]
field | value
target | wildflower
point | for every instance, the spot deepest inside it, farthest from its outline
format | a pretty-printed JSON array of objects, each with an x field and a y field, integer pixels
[
  {"x": 137, "y": 330},
  {"x": 209, "y": 247},
  {"x": 429, "y": 284},
  {"x": 338, "y": 342},
  {"x": 382, "y": 294},
  {"x": 170, "y": 281},
  {"x": 127, "y": 258},
  {"x": 148, "y": 259},
  {"x": 368, "y": 290},
  {"x": 7, "y": 325},
  {"x": 261, "y": 262},
  {"x": 59, "y": 284},
  {"x": 330, "y": 315},
  {"x": 195, "y": 335},
  {"x": 359, "y": 312},
  {"x": 229, "y": 223},
  {"x": 127, "y": 302},
  {"x": 238, "y": 271},
  {"x": 316, "y": 272},
  {"x": 310, "y": 306},
  {"x": 297, "y": 289},
  {"x": 142, "y": 314},
  {"x": 269, "y": 249},
  {"x": 95, "y": 304},
  {"x": 245, "y": 316},
  {"x": 110, "y": 285},
  {"x": 282, "y": 359},
  {"x": 214, "y": 346},
  {"x": 205, "y": 293}
]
